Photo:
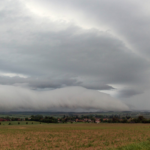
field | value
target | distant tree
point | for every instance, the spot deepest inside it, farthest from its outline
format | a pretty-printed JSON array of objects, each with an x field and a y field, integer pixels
[
  {"x": 141, "y": 118},
  {"x": 37, "y": 117},
  {"x": 32, "y": 116},
  {"x": 115, "y": 119},
  {"x": 110, "y": 121},
  {"x": 7, "y": 117},
  {"x": 128, "y": 117},
  {"x": 124, "y": 121},
  {"x": 26, "y": 119}
]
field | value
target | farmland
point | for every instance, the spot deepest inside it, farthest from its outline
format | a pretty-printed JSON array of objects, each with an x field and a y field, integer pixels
[{"x": 78, "y": 136}]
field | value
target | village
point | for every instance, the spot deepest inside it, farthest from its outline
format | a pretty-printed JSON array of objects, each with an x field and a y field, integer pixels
[
  {"x": 86, "y": 120},
  {"x": 60, "y": 120},
  {"x": 77, "y": 119}
]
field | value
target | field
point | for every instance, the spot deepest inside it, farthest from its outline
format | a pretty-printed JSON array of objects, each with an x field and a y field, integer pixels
[{"x": 80, "y": 136}]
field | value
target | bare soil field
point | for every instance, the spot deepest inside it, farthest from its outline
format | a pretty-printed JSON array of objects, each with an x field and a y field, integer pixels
[{"x": 72, "y": 136}]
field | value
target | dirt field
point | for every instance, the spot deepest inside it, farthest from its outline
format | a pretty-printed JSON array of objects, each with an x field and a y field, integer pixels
[{"x": 71, "y": 136}]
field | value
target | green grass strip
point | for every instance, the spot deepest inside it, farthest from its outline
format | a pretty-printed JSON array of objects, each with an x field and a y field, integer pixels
[{"x": 135, "y": 146}]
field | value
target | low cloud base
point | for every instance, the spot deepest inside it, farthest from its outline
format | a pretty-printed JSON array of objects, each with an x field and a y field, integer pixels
[{"x": 74, "y": 99}]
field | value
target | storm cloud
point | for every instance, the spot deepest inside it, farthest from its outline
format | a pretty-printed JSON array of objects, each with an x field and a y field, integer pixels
[
  {"x": 64, "y": 99},
  {"x": 96, "y": 45}
]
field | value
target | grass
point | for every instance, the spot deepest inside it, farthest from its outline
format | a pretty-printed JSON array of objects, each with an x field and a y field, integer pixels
[
  {"x": 135, "y": 146},
  {"x": 90, "y": 136}
]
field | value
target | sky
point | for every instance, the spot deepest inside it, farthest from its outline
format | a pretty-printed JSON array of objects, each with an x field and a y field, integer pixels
[{"x": 74, "y": 55}]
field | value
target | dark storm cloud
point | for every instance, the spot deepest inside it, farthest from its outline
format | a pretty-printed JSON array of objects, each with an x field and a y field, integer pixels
[
  {"x": 128, "y": 93},
  {"x": 50, "y": 83},
  {"x": 38, "y": 83},
  {"x": 98, "y": 45},
  {"x": 88, "y": 55}
]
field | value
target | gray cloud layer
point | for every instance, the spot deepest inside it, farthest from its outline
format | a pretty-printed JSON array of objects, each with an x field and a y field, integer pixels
[
  {"x": 65, "y": 99},
  {"x": 100, "y": 45}
]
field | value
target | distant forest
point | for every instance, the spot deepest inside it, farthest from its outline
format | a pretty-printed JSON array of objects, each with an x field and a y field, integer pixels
[
  {"x": 72, "y": 117},
  {"x": 89, "y": 118}
]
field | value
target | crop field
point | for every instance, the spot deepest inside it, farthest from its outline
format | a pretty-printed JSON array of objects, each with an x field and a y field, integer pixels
[{"x": 80, "y": 136}]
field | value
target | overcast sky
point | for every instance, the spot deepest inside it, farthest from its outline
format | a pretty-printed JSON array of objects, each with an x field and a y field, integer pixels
[{"x": 81, "y": 50}]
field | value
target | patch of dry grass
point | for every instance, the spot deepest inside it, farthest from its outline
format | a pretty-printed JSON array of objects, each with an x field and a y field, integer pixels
[{"x": 72, "y": 136}]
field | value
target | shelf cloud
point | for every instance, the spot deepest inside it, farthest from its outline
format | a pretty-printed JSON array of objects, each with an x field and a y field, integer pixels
[
  {"x": 64, "y": 99},
  {"x": 97, "y": 45}
]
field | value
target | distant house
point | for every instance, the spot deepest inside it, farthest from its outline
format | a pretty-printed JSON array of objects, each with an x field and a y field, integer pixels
[
  {"x": 1, "y": 119},
  {"x": 97, "y": 120},
  {"x": 105, "y": 119},
  {"x": 80, "y": 120},
  {"x": 89, "y": 120},
  {"x": 130, "y": 120},
  {"x": 85, "y": 119}
]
